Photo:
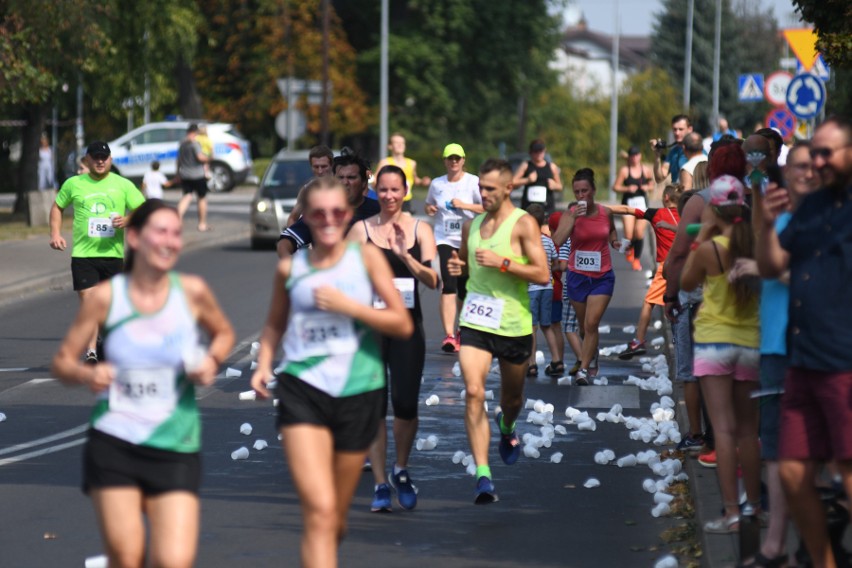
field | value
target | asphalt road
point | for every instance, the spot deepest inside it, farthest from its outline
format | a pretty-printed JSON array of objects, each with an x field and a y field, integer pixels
[{"x": 250, "y": 514}]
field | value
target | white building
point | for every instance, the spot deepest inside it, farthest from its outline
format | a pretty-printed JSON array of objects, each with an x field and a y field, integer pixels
[{"x": 584, "y": 60}]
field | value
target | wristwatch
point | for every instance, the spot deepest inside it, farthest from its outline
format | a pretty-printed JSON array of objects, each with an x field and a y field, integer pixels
[{"x": 505, "y": 265}]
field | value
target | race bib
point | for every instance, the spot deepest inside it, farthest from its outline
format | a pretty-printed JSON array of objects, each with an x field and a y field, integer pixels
[
  {"x": 144, "y": 392},
  {"x": 405, "y": 286},
  {"x": 100, "y": 227},
  {"x": 637, "y": 202},
  {"x": 321, "y": 334},
  {"x": 587, "y": 260},
  {"x": 537, "y": 194},
  {"x": 452, "y": 225},
  {"x": 481, "y": 310}
]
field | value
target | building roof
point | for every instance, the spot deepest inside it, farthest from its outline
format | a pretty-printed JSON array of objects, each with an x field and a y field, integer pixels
[{"x": 633, "y": 51}]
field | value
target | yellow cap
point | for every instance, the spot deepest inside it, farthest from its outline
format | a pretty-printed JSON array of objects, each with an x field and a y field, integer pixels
[{"x": 453, "y": 150}]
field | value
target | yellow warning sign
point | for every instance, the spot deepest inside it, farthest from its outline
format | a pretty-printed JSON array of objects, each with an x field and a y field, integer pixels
[{"x": 803, "y": 44}]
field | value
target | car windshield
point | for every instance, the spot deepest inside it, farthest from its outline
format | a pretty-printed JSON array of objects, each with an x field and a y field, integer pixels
[{"x": 284, "y": 179}]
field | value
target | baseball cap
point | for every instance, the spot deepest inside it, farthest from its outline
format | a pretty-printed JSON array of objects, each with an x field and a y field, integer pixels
[
  {"x": 98, "y": 149},
  {"x": 633, "y": 150},
  {"x": 453, "y": 150},
  {"x": 192, "y": 127},
  {"x": 726, "y": 190}
]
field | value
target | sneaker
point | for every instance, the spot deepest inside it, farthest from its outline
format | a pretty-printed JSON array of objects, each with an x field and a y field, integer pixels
[
  {"x": 723, "y": 525},
  {"x": 635, "y": 347},
  {"x": 636, "y": 265},
  {"x": 449, "y": 344},
  {"x": 510, "y": 445},
  {"x": 91, "y": 357},
  {"x": 381, "y": 499},
  {"x": 485, "y": 492},
  {"x": 406, "y": 493},
  {"x": 582, "y": 378},
  {"x": 367, "y": 465},
  {"x": 708, "y": 459},
  {"x": 573, "y": 370},
  {"x": 691, "y": 443}
]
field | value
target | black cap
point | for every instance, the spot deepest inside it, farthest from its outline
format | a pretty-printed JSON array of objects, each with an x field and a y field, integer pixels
[
  {"x": 633, "y": 150},
  {"x": 192, "y": 127},
  {"x": 98, "y": 149}
]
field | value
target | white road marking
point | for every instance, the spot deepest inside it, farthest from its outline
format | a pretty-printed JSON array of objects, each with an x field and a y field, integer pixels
[
  {"x": 14, "y": 369},
  {"x": 46, "y": 440},
  {"x": 42, "y": 452}
]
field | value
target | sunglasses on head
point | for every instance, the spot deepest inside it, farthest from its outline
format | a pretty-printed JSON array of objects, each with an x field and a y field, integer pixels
[{"x": 337, "y": 215}]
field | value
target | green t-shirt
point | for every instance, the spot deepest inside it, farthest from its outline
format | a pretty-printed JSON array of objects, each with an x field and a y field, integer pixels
[{"x": 94, "y": 235}]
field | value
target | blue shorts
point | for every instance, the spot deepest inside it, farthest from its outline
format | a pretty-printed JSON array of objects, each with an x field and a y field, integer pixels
[
  {"x": 541, "y": 306},
  {"x": 580, "y": 286},
  {"x": 773, "y": 369},
  {"x": 556, "y": 312}
]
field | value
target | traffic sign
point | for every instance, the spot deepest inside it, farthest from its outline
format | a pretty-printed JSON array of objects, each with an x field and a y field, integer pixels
[
  {"x": 783, "y": 120},
  {"x": 803, "y": 44},
  {"x": 751, "y": 87},
  {"x": 805, "y": 95},
  {"x": 775, "y": 88},
  {"x": 820, "y": 69}
]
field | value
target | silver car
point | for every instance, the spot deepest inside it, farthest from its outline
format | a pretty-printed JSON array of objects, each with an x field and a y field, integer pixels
[{"x": 276, "y": 196}]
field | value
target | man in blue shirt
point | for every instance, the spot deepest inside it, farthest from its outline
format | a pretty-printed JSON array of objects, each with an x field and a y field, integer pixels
[
  {"x": 674, "y": 161},
  {"x": 816, "y": 409}
]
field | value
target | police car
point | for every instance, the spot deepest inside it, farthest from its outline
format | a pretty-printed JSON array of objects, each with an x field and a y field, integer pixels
[{"x": 133, "y": 153}]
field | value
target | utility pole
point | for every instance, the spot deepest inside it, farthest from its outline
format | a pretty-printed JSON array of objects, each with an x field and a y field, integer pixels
[
  {"x": 383, "y": 82},
  {"x": 613, "y": 111},
  {"x": 717, "y": 50},
  {"x": 687, "y": 64},
  {"x": 324, "y": 107}
]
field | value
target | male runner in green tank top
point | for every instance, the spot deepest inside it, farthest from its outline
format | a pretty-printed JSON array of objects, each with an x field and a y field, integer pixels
[{"x": 501, "y": 250}]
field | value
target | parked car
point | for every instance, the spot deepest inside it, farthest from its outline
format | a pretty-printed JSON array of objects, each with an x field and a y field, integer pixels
[
  {"x": 133, "y": 152},
  {"x": 276, "y": 196}
]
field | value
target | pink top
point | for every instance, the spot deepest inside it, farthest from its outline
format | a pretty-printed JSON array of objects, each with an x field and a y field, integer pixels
[{"x": 590, "y": 245}]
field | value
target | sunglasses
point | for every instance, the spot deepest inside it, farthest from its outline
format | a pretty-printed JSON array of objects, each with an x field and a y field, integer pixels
[
  {"x": 454, "y": 158},
  {"x": 824, "y": 153},
  {"x": 320, "y": 215},
  {"x": 99, "y": 157}
]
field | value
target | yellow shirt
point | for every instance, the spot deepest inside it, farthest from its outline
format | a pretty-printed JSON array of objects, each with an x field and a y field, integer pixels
[{"x": 408, "y": 169}]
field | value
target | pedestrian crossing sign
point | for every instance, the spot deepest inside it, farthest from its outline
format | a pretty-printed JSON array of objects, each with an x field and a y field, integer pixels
[{"x": 751, "y": 87}]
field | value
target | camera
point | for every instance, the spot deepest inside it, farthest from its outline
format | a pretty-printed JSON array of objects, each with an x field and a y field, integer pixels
[{"x": 660, "y": 144}]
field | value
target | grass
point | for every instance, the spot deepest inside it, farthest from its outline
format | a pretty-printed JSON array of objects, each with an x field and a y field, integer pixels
[{"x": 14, "y": 227}]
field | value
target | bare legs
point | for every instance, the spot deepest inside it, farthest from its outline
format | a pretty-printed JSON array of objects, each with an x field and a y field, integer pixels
[
  {"x": 448, "y": 312},
  {"x": 589, "y": 314},
  {"x": 93, "y": 341}
]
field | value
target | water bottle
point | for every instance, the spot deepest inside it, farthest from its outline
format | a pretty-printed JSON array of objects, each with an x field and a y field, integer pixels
[{"x": 749, "y": 532}]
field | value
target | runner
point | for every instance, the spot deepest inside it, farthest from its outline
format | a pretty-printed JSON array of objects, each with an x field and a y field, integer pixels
[
  {"x": 540, "y": 178},
  {"x": 142, "y": 456},
  {"x": 101, "y": 200},
  {"x": 591, "y": 279},
  {"x": 331, "y": 381},
  {"x": 664, "y": 221},
  {"x": 409, "y": 247},
  {"x": 396, "y": 145},
  {"x": 502, "y": 252},
  {"x": 452, "y": 199},
  {"x": 634, "y": 181}
]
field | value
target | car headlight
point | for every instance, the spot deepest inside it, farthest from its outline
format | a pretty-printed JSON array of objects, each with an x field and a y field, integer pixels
[{"x": 264, "y": 205}]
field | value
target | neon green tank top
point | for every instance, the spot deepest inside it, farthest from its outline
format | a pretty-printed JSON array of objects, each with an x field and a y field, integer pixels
[{"x": 496, "y": 302}]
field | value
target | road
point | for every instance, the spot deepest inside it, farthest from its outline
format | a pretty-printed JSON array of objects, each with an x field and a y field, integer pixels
[{"x": 250, "y": 515}]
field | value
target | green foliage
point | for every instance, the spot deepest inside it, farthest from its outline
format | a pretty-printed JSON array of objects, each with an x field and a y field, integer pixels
[
  {"x": 832, "y": 20},
  {"x": 645, "y": 108},
  {"x": 750, "y": 44}
]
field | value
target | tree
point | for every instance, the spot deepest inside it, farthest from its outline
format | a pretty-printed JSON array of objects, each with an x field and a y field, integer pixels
[
  {"x": 245, "y": 46},
  {"x": 832, "y": 20},
  {"x": 750, "y": 44},
  {"x": 43, "y": 43}
]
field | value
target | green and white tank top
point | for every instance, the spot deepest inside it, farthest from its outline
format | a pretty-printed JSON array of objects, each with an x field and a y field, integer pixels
[
  {"x": 496, "y": 302},
  {"x": 150, "y": 403},
  {"x": 331, "y": 352}
]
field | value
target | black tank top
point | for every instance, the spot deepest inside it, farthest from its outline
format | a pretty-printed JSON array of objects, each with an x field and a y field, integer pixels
[
  {"x": 544, "y": 173},
  {"x": 630, "y": 180},
  {"x": 400, "y": 270}
]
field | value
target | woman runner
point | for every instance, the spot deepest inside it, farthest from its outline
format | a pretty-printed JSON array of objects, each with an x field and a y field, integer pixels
[
  {"x": 142, "y": 454},
  {"x": 331, "y": 381}
]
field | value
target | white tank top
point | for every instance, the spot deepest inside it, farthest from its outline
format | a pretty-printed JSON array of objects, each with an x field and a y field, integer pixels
[{"x": 150, "y": 403}]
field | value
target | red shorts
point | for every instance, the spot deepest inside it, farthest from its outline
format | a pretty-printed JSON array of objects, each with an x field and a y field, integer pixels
[{"x": 816, "y": 416}]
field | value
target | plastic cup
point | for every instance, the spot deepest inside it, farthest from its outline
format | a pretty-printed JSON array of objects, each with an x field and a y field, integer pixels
[
  {"x": 260, "y": 445},
  {"x": 432, "y": 400},
  {"x": 100, "y": 561},
  {"x": 458, "y": 456},
  {"x": 240, "y": 453},
  {"x": 531, "y": 451},
  {"x": 624, "y": 246},
  {"x": 556, "y": 457},
  {"x": 245, "y": 429},
  {"x": 582, "y": 207},
  {"x": 591, "y": 483},
  {"x": 230, "y": 372},
  {"x": 248, "y": 395},
  {"x": 255, "y": 347}
]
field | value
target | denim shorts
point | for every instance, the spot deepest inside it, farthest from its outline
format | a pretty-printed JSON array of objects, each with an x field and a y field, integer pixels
[
  {"x": 682, "y": 337},
  {"x": 773, "y": 369},
  {"x": 541, "y": 306}
]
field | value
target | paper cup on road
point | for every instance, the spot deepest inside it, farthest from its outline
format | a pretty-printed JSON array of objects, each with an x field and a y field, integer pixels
[
  {"x": 539, "y": 358},
  {"x": 99, "y": 561},
  {"x": 230, "y": 372},
  {"x": 260, "y": 445},
  {"x": 432, "y": 400},
  {"x": 2, "y": 417},
  {"x": 248, "y": 395},
  {"x": 245, "y": 429},
  {"x": 240, "y": 454},
  {"x": 591, "y": 483},
  {"x": 255, "y": 347},
  {"x": 556, "y": 457}
]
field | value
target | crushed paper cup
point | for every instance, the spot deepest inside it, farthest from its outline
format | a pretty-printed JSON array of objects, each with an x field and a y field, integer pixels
[
  {"x": 245, "y": 429},
  {"x": 556, "y": 457},
  {"x": 260, "y": 445},
  {"x": 592, "y": 483},
  {"x": 248, "y": 395},
  {"x": 230, "y": 372}
]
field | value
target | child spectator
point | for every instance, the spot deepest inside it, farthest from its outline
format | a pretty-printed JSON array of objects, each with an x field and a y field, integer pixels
[
  {"x": 541, "y": 297},
  {"x": 154, "y": 181}
]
